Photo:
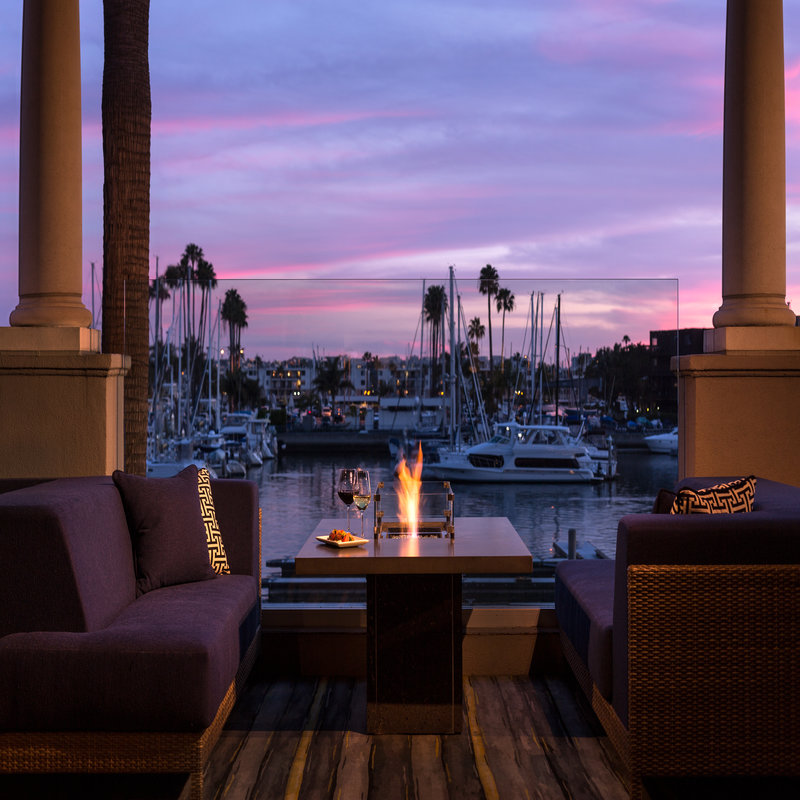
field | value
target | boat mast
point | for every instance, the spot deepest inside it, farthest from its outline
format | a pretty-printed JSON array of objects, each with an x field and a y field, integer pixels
[
  {"x": 454, "y": 352},
  {"x": 421, "y": 390},
  {"x": 558, "y": 352},
  {"x": 532, "y": 357}
]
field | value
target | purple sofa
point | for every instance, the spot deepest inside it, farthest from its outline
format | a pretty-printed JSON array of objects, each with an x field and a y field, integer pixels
[
  {"x": 97, "y": 677},
  {"x": 688, "y": 643}
]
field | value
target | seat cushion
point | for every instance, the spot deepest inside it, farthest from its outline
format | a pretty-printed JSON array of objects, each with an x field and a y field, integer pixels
[
  {"x": 163, "y": 665},
  {"x": 584, "y": 598}
]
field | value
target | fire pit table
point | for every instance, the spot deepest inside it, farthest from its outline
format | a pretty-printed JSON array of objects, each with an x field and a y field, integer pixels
[{"x": 414, "y": 626}]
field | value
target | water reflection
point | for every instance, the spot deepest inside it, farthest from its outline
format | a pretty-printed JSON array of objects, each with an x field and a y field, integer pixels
[{"x": 298, "y": 491}]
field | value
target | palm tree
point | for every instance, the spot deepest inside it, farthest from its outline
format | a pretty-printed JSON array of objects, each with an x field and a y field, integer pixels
[
  {"x": 505, "y": 302},
  {"x": 207, "y": 279},
  {"x": 126, "y": 114},
  {"x": 234, "y": 313},
  {"x": 435, "y": 307},
  {"x": 476, "y": 331},
  {"x": 158, "y": 294},
  {"x": 190, "y": 260},
  {"x": 488, "y": 285},
  {"x": 330, "y": 378}
]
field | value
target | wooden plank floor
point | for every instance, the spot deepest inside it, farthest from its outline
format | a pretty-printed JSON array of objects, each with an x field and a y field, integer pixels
[{"x": 305, "y": 739}]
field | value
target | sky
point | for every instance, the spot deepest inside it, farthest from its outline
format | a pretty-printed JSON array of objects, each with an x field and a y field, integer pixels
[{"x": 329, "y": 155}]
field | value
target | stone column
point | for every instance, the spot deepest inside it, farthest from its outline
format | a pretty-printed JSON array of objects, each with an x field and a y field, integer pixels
[
  {"x": 50, "y": 229},
  {"x": 754, "y": 171},
  {"x": 61, "y": 400},
  {"x": 738, "y": 399}
]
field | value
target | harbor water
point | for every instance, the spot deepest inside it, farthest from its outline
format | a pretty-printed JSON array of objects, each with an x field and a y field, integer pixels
[{"x": 297, "y": 491}]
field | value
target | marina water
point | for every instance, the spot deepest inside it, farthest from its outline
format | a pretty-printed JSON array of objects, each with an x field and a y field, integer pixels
[{"x": 297, "y": 491}]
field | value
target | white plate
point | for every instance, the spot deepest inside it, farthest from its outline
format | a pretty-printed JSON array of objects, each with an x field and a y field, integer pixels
[{"x": 355, "y": 542}]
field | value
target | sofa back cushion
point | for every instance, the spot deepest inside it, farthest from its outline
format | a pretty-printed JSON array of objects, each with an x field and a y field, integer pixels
[
  {"x": 166, "y": 528},
  {"x": 66, "y": 556}
]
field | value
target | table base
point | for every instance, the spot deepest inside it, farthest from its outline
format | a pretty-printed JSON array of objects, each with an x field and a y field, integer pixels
[{"x": 414, "y": 653}]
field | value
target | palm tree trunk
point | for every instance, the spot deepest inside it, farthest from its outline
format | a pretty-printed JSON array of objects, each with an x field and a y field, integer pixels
[
  {"x": 489, "y": 306},
  {"x": 126, "y": 113}
]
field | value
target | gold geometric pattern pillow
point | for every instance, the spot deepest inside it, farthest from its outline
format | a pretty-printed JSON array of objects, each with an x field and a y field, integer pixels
[
  {"x": 724, "y": 498},
  {"x": 216, "y": 549}
]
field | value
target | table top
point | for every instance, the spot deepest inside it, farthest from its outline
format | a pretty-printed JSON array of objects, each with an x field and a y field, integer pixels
[{"x": 482, "y": 545}]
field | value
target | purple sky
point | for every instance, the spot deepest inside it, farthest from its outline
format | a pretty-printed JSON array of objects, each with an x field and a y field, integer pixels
[{"x": 563, "y": 142}]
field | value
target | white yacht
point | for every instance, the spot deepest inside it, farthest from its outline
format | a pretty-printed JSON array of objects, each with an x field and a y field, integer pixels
[
  {"x": 663, "y": 442},
  {"x": 520, "y": 454}
]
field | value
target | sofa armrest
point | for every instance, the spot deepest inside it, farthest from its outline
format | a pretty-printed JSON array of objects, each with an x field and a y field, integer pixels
[
  {"x": 758, "y": 537},
  {"x": 236, "y": 505}
]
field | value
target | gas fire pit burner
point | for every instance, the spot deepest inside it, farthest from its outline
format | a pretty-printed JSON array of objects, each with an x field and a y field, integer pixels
[{"x": 433, "y": 516}]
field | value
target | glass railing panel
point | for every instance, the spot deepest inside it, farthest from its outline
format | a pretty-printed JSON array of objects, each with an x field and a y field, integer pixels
[{"x": 355, "y": 373}]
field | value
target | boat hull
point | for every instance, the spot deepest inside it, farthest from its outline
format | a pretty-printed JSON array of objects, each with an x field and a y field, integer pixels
[{"x": 467, "y": 473}]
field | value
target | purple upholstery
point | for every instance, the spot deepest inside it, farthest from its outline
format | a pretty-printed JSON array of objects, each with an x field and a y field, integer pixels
[
  {"x": 66, "y": 556},
  {"x": 166, "y": 526},
  {"x": 236, "y": 506},
  {"x": 584, "y": 597},
  {"x": 80, "y": 651},
  {"x": 164, "y": 664}
]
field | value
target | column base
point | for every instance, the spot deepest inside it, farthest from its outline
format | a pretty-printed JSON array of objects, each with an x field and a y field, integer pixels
[
  {"x": 738, "y": 414},
  {"x": 62, "y": 414},
  {"x": 752, "y": 312},
  {"x": 753, "y": 339},
  {"x": 47, "y": 339}
]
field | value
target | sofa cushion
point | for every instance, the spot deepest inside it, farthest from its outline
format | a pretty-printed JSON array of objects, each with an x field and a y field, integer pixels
[
  {"x": 66, "y": 556},
  {"x": 664, "y": 501},
  {"x": 584, "y": 599},
  {"x": 216, "y": 547},
  {"x": 722, "y": 498},
  {"x": 163, "y": 665},
  {"x": 166, "y": 527}
]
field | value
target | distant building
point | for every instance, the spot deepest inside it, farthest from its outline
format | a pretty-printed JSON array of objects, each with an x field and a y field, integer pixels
[{"x": 663, "y": 346}]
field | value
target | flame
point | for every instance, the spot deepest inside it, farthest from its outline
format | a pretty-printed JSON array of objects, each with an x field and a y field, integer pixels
[{"x": 408, "y": 493}]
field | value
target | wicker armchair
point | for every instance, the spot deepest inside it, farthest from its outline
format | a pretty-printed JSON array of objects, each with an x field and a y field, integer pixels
[{"x": 699, "y": 620}]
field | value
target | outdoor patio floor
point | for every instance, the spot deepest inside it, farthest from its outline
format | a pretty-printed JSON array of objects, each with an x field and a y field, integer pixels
[
  {"x": 304, "y": 739},
  {"x": 522, "y": 737}
]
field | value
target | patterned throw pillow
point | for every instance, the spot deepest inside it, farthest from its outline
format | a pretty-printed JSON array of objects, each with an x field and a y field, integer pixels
[
  {"x": 216, "y": 549},
  {"x": 724, "y": 498}
]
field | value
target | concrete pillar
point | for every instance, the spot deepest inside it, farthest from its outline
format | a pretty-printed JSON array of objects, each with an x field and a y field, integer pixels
[
  {"x": 738, "y": 399},
  {"x": 50, "y": 230},
  {"x": 754, "y": 169},
  {"x": 61, "y": 400}
]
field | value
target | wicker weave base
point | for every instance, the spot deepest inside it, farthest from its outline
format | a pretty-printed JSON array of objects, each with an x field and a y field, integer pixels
[
  {"x": 713, "y": 673},
  {"x": 106, "y": 752}
]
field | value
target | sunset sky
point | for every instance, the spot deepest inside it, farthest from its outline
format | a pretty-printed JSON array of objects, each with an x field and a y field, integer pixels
[{"x": 576, "y": 145}]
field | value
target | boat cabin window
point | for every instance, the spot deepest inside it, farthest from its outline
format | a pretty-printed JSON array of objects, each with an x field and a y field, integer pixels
[{"x": 501, "y": 436}]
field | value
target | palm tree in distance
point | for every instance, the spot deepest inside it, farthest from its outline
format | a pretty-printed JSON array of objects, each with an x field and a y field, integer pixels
[
  {"x": 126, "y": 114},
  {"x": 330, "y": 378},
  {"x": 191, "y": 258},
  {"x": 435, "y": 307},
  {"x": 234, "y": 314},
  {"x": 505, "y": 302},
  {"x": 207, "y": 280},
  {"x": 476, "y": 331},
  {"x": 488, "y": 284}
]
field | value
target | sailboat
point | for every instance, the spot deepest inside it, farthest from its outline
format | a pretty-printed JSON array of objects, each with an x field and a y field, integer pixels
[{"x": 537, "y": 452}]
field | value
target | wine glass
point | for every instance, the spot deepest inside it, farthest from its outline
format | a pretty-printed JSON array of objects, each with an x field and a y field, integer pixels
[
  {"x": 362, "y": 494},
  {"x": 346, "y": 488}
]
